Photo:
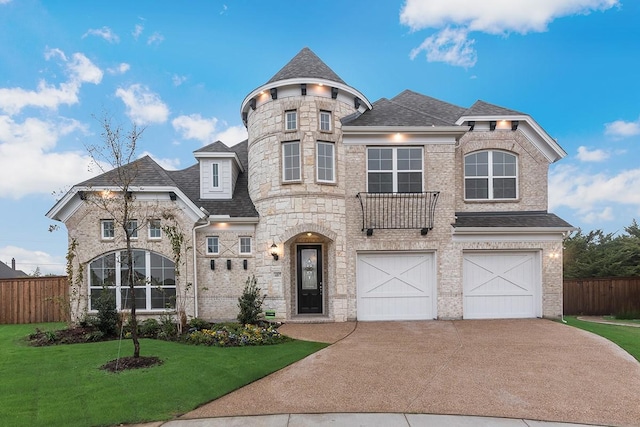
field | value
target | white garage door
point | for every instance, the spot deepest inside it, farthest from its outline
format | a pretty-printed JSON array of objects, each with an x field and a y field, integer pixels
[
  {"x": 501, "y": 285},
  {"x": 396, "y": 286}
]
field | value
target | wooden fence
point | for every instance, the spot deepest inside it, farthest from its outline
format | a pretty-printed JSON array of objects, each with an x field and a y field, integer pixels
[
  {"x": 34, "y": 299},
  {"x": 601, "y": 296}
]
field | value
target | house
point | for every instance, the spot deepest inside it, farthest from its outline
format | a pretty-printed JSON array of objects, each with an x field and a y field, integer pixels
[
  {"x": 7, "y": 272},
  {"x": 405, "y": 208}
]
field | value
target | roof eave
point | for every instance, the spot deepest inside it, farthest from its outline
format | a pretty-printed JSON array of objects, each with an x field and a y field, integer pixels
[{"x": 377, "y": 130}]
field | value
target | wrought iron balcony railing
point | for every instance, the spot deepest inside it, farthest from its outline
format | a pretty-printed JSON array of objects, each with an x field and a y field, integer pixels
[{"x": 398, "y": 211}]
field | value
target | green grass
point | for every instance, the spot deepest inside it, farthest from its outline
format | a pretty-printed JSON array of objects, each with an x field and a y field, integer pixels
[
  {"x": 626, "y": 337},
  {"x": 63, "y": 385}
]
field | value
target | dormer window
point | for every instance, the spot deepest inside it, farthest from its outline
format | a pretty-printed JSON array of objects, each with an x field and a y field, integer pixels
[
  {"x": 291, "y": 120},
  {"x": 490, "y": 175},
  {"x": 325, "y": 121}
]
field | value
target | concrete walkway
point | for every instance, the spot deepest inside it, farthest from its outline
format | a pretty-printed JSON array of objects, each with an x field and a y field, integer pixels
[{"x": 524, "y": 369}]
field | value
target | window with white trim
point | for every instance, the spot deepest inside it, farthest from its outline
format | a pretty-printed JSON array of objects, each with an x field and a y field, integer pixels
[
  {"x": 325, "y": 121},
  {"x": 394, "y": 170},
  {"x": 291, "y": 161},
  {"x": 245, "y": 245},
  {"x": 155, "y": 229},
  {"x": 215, "y": 175},
  {"x": 108, "y": 229},
  {"x": 154, "y": 279},
  {"x": 490, "y": 175},
  {"x": 291, "y": 120},
  {"x": 132, "y": 228},
  {"x": 213, "y": 245},
  {"x": 325, "y": 161}
]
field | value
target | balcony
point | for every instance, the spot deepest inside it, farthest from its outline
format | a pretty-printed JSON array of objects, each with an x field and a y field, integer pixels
[{"x": 395, "y": 211}]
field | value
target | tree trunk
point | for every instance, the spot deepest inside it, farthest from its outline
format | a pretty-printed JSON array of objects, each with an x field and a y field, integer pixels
[{"x": 134, "y": 320}]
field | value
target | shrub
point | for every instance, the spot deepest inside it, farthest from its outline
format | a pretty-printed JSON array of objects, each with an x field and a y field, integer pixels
[
  {"x": 107, "y": 317},
  {"x": 628, "y": 315},
  {"x": 197, "y": 324},
  {"x": 168, "y": 328},
  {"x": 250, "y": 303},
  {"x": 236, "y": 336},
  {"x": 149, "y": 328}
]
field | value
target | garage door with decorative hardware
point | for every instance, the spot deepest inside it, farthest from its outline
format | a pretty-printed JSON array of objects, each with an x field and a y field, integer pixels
[
  {"x": 501, "y": 285},
  {"x": 396, "y": 286}
]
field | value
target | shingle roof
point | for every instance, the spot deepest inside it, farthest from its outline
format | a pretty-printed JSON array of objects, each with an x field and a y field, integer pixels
[
  {"x": 434, "y": 107},
  {"x": 306, "y": 64},
  {"x": 389, "y": 113},
  {"x": 141, "y": 172},
  {"x": 215, "y": 147},
  {"x": 510, "y": 219},
  {"x": 7, "y": 272},
  {"x": 481, "y": 108}
]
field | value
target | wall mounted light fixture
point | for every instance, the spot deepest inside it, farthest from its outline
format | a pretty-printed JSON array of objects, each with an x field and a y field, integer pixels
[
  {"x": 212, "y": 264},
  {"x": 274, "y": 252},
  {"x": 245, "y": 263},
  {"x": 228, "y": 264}
]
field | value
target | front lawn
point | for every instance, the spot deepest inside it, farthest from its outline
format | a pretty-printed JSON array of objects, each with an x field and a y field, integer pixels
[
  {"x": 626, "y": 337},
  {"x": 63, "y": 385}
]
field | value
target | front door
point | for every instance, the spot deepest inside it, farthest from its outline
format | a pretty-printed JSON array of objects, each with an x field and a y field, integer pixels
[{"x": 309, "y": 262}]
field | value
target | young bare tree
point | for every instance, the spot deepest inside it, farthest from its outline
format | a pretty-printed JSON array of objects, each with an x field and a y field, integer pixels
[{"x": 115, "y": 155}]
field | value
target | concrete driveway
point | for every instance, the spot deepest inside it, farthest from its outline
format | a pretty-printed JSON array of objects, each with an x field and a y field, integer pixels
[{"x": 533, "y": 369}]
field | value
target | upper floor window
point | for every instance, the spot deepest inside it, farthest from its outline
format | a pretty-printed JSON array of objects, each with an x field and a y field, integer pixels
[
  {"x": 325, "y": 161},
  {"x": 245, "y": 245},
  {"x": 291, "y": 120},
  {"x": 155, "y": 230},
  {"x": 291, "y": 161},
  {"x": 153, "y": 277},
  {"x": 215, "y": 175},
  {"x": 325, "y": 121},
  {"x": 490, "y": 175},
  {"x": 108, "y": 229},
  {"x": 394, "y": 170},
  {"x": 132, "y": 228},
  {"x": 213, "y": 245}
]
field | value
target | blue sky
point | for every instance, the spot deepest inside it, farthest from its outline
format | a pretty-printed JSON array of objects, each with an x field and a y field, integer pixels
[{"x": 182, "y": 69}]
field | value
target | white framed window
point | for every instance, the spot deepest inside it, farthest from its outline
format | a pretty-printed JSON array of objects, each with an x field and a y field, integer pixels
[
  {"x": 215, "y": 175},
  {"x": 325, "y": 121},
  {"x": 490, "y": 175},
  {"x": 291, "y": 165},
  {"x": 132, "y": 228},
  {"x": 394, "y": 170},
  {"x": 154, "y": 280},
  {"x": 213, "y": 245},
  {"x": 291, "y": 120},
  {"x": 325, "y": 161},
  {"x": 245, "y": 245},
  {"x": 108, "y": 229},
  {"x": 155, "y": 229}
]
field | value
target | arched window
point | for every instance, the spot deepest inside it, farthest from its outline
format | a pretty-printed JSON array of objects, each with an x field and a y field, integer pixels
[
  {"x": 490, "y": 175},
  {"x": 154, "y": 280}
]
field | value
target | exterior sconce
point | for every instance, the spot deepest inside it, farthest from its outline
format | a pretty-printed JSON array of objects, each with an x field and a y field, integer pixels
[
  {"x": 424, "y": 231},
  {"x": 274, "y": 252},
  {"x": 369, "y": 232},
  {"x": 228, "y": 264},
  {"x": 514, "y": 125},
  {"x": 252, "y": 103},
  {"x": 212, "y": 263},
  {"x": 274, "y": 93},
  {"x": 244, "y": 264},
  {"x": 492, "y": 125},
  {"x": 334, "y": 92},
  {"x": 472, "y": 124},
  {"x": 303, "y": 88},
  {"x": 173, "y": 196}
]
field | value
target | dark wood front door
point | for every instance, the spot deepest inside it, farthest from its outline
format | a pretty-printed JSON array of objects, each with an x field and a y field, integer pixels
[{"x": 309, "y": 262}]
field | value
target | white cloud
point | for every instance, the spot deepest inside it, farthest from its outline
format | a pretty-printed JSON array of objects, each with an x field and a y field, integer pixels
[
  {"x": 450, "y": 46},
  {"x": 137, "y": 30},
  {"x": 593, "y": 217},
  {"x": 27, "y": 163},
  {"x": 121, "y": 68},
  {"x": 178, "y": 80},
  {"x": 79, "y": 69},
  {"x": 622, "y": 129},
  {"x": 143, "y": 105},
  {"x": 586, "y": 155},
  {"x": 590, "y": 194},
  {"x": 491, "y": 17},
  {"x": 232, "y": 135},
  {"x": 196, "y": 127},
  {"x": 28, "y": 261},
  {"x": 104, "y": 32},
  {"x": 5, "y": 1},
  {"x": 168, "y": 164},
  {"x": 155, "y": 38}
]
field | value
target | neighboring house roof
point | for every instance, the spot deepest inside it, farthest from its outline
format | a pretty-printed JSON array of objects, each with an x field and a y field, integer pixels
[
  {"x": 7, "y": 272},
  {"x": 306, "y": 64},
  {"x": 522, "y": 219}
]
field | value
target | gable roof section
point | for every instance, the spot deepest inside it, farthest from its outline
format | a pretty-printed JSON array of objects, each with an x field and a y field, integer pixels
[
  {"x": 434, "y": 107},
  {"x": 215, "y": 147},
  {"x": 481, "y": 108},
  {"x": 306, "y": 64},
  {"x": 389, "y": 113},
  {"x": 145, "y": 172},
  {"x": 7, "y": 272}
]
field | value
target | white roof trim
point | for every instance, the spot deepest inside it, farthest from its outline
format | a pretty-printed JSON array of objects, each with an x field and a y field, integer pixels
[
  {"x": 376, "y": 130},
  {"x": 218, "y": 155}
]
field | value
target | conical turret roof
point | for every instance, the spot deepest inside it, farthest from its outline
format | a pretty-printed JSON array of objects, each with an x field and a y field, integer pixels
[{"x": 306, "y": 64}]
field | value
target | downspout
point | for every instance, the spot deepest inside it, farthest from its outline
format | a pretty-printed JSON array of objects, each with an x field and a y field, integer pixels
[{"x": 195, "y": 266}]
